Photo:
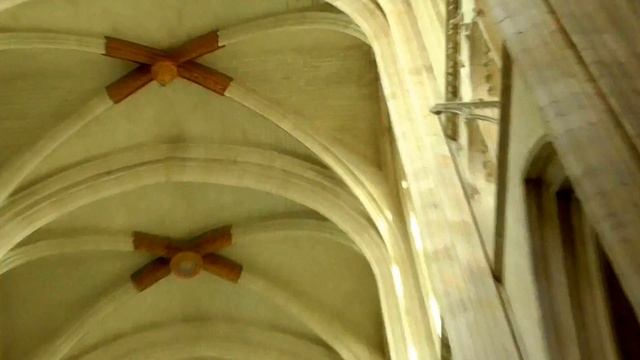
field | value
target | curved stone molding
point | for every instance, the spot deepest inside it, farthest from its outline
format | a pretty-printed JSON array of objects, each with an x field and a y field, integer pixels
[
  {"x": 449, "y": 245},
  {"x": 369, "y": 187},
  {"x": 97, "y": 45},
  {"x": 331, "y": 331},
  {"x": 310, "y": 192},
  {"x": 121, "y": 241},
  {"x": 414, "y": 340},
  {"x": 296, "y": 21},
  {"x": 8, "y": 4},
  {"x": 305, "y": 190},
  {"x": 153, "y": 152},
  {"x": 40, "y": 195},
  {"x": 365, "y": 181},
  {"x": 209, "y": 338},
  {"x": 247, "y": 97},
  {"x": 15, "y": 171},
  {"x": 61, "y": 345},
  {"x": 404, "y": 316},
  {"x": 298, "y": 227},
  {"x": 231, "y": 35},
  {"x": 19, "y": 40},
  {"x": 65, "y": 245}
]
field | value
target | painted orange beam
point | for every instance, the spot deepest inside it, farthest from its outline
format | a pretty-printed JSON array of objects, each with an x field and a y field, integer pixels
[
  {"x": 196, "y": 47},
  {"x": 125, "y": 86},
  {"x": 131, "y": 51},
  {"x": 164, "y": 67},
  {"x": 205, "y": 77},
  {"x": 151, "y": 273},
  {"x": 184, "y": 261},
  {"x": 213, "y": 240},
  {"x": 222, "y": 267},
  {"x": 154, "y": 244}
]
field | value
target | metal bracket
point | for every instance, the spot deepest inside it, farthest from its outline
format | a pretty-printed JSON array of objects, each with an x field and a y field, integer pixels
[{"x": 464, "y": 109}]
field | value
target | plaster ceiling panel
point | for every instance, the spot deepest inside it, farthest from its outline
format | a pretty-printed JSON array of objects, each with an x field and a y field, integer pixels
[
  {"x": 50, "y": 294},
  {"x": 290, "y": 262},
  {"x": 311, "y": 266},
  {"x": 178, "y": 209},
  {"x": 180, "y": 112},
  {"x": 337, "y": 280},
  {"x": 40, "y": 88},
  {"x": 42, "y": 298},
  {"x": 328, "y": 78},
  {"x": 162, "y": 23},
  {"x": 203, "y": 297}
]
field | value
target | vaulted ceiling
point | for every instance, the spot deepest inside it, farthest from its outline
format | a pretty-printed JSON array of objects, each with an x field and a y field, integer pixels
[{"x": 82, "y": 172}]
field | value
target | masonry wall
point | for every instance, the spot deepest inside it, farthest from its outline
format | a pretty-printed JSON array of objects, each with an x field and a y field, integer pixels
[{"x": 527, "y": 134}]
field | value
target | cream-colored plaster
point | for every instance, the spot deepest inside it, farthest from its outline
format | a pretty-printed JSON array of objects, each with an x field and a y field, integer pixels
[
  {"x": 326, "y": 77},
  {"x": 235, "y": 174},
  {"x": 142, "y": 209},
  {"x": 48, "y": 243},
  {"x": 341, "y": 93},
  {"x": 218, "y": 336},
  {"x": 159, "y": 22},
  {"x": 327, "y": 89}
]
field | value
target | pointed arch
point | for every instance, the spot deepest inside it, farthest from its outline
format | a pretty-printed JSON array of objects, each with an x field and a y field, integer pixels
[
  {"x": 180, "y": 163},
  {"x": 214, "y": 337}
]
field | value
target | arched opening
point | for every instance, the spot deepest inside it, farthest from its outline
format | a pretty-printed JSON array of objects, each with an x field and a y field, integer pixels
[{"x": 586, "y": 314}]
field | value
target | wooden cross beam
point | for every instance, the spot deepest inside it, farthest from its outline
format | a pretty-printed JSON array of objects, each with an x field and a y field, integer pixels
[
  {"x": 184, "y": 261},
  {"x": 165, "y": 66}
]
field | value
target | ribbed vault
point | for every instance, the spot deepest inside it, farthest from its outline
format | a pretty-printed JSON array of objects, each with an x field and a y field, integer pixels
[
  {"x": 268, "y": 152},
  {"x": 271, "y": 179}
]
